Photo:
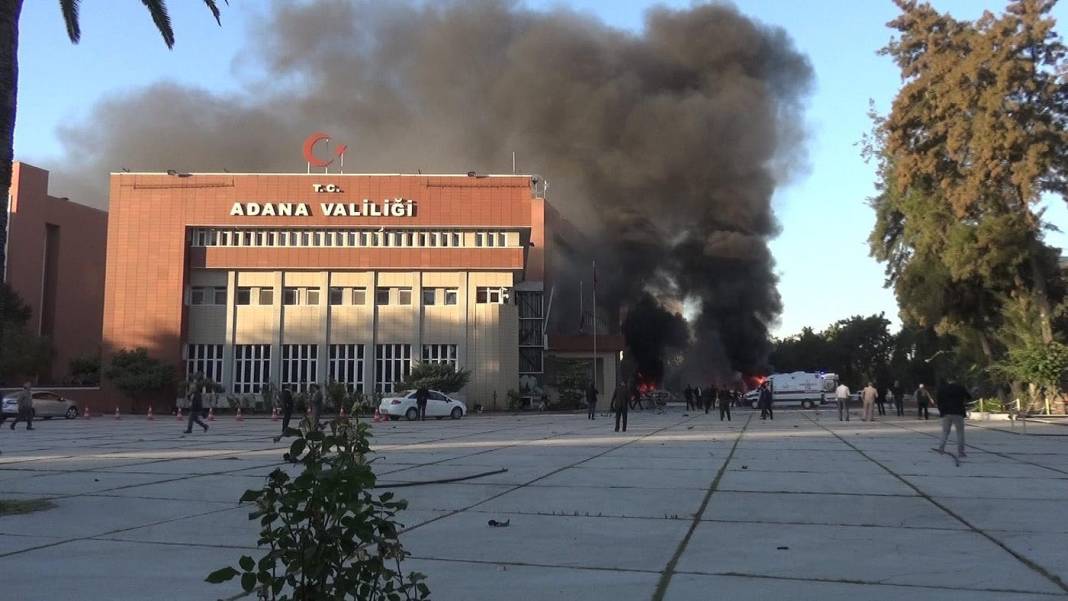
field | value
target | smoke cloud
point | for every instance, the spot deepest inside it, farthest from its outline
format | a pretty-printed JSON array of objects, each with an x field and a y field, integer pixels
[{"x": 664, "y": 146}]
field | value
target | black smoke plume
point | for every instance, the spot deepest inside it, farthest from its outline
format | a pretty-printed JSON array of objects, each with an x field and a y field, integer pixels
[
  {"x": 652, "y": 332},
  {"x": 663, "y": 146}
]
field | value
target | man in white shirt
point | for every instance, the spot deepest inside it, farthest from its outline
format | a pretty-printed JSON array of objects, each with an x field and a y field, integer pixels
[
  {"x": 868, "y": 395},
  {"x": 842, "y": 394}
]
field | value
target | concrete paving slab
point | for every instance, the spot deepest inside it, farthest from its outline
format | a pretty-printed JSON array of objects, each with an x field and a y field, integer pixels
[
  {"x": 876, "y": 555},
  {"x": 86, "y": 515},
  {"x": 11, "y": 543},
  {"x": 813, "y": 508},
  {"x": 1040, "y": 516},
  {"x": 611, "y": 543},
  {"x": 492, "y": 582},
  {"x": 992, "y": 488},
  {"x": 614, "y": 502},
  {"x": 447, "y": 497},
  {"x": 76, "y": 482},
  {"x": 1046, "y": 549},
  {"x": 692, "y": 479},
  {"x": 875, "y": 483},
  {"x": 221, "y": 489}
]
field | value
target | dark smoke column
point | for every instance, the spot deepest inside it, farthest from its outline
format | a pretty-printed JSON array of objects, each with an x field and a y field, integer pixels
[{"x": 664, "y": 145}]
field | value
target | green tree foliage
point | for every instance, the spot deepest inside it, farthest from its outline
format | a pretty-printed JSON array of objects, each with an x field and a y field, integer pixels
[
  {"x": 327, "y": 536},
  {"x": 442, "y": 377},
  {"x": 857, "y": 349},
  {"x": 22, "y": 353},
  {"x": 137, "y": 375},
  {"x": 84, "y": 371},
  {"x": 570, "y": 377}
]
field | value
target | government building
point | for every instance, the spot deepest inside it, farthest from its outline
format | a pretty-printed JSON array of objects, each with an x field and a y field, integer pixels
[{"x": 294, "y": 279}]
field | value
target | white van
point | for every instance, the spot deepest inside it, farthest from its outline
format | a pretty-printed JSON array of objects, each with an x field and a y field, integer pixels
[{"x": 804, "y": 388}]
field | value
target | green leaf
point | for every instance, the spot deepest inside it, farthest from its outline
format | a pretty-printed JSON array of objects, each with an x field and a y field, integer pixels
[
  {"x": 248, "y": 581},
  {"x": 247, "y": 563},
  {"x": 297, "y": 447},
  {"x": 251, "y": 495},
  {"x": 222, "y": 575}
]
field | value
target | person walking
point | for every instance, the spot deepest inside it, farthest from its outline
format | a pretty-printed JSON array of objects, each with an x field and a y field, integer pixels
[
  {"x": 196, "y": 404},
  {"x": 688, "y": 393},
  {"x": 724, "y": 404},
  {"x": 881, "y": 400},
  {"x": 25, "y": 407},
  {"x": 923, "y": 400},
  {"x": 868, "y": 396},
  {"x": 899, "y": 398},
  {"x": 765, "y": 401},
  {"x": 710, "y": 398},
  {"x": 316, "y": 399},
  {"x": 952, "y": 398},
  {"x": 841, "y": 394},
  {"x": 591, "y": 401},
  {"x": 422, "y": 395},
  {"x": 285, "y": 398},
  {"x": 622, "y": 406}
]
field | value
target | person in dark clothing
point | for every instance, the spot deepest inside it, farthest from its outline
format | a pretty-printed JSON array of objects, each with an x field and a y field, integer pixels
[
  {"x": 315, "y": 397},
  {"x": 765, "y": 402},
  {"x": 724, "y": 404},
  {"x": 899, "y": 398},
  {"x": 636, "y": 399},
  {"x": 952, "y": 398},
  {"x": 689, "y": 397},
  {"x": 710, "y": 398},
  {"x": 923, "y": 400},
  {"x": 881, "y": 400},
  {"x": 591, "y": 401},
  {"x": 422, "y": 395},
  {"x": 285, "y": 398},
  {"x": 196, "y": 404},
  {"x": 623, "y": 405}
]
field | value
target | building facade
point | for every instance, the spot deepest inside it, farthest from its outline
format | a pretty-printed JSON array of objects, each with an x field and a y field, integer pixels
[
  {"x": 294, "y": 279},
  {"x": 54, "y": 260}
]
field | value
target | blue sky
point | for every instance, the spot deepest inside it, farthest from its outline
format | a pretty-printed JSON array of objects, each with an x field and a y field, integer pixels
[{"x": 821, "y": 254}]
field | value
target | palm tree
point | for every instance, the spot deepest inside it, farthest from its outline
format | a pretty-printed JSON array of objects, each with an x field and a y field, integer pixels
[{"x": 9, "y": 76}]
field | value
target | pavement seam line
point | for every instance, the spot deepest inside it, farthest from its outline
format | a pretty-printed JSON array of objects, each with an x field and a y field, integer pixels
[
  {"x": 669, "y": 570},
  {"x": 1053, "y": 578}
]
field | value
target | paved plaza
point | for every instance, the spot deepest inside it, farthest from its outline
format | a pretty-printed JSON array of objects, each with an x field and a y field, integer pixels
[{"x": 680, "y": 507}]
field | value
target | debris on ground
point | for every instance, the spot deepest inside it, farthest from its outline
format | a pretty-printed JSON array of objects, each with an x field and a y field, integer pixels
[{"x": 496, "y": 524}]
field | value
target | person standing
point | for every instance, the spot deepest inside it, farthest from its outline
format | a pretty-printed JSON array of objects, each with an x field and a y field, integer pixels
[
  {"x": 689, "y": 397},
  {"x": 710, "y": 398},
  {"x": 868, "y": 396},
  {"x": 724, "y": 404},
  {"x": 316, "y": 400},
  {"x": 881, "y": 400},
  {"x": 623, "y": 405},
  {"x": 25, "y": 407},
  {"x": 841, "y": 394},
  {"x": 923, "y": 400},
  {"x": 899, "y": 398},
  {"x": 591, "y": 401},
  {"x": 196, "y": 404},
  {"x": 422, "y": 395},
  {"x": 765, "y": 401},
  {"x": 285, "y": 397},
  {"x": 697, "y": 392},
  {"x": 951, "y": 401}
]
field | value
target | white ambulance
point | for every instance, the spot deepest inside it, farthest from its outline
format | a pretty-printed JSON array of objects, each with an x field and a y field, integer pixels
[{"x": 804, "y": 388}]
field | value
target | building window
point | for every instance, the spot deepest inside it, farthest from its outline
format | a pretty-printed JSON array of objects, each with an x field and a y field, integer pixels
[
  {"x": 266, "y": 296},
  {"x": 485, "y": 295},
  {"x": 359, "y": 296},
  {"x": 204, "y": 359},
  {"x": 478, "y": 238},
  {"x": 337, "y": 295},
  {"x": 393, "y": 362},
  {"x": 530, "y": 360},
  {"x": 252, "y": 367},
  {"x": 346, "y": 366},
  {"x": 440, "y": 353},
  {"x": 196, "y": 295},
  {"x": 404, "y": 296},
  {"x": 531, "y": 332},
  {"x": 311, "y": 296},
  {"x": 429, "y": 295},
  {"x": 207, "y": 295},
  {"x": 220, "y": 296},
  {"x": 451, "y": 296},
  {"x": 290, "y": 296},
  {"x": 243, "y": 296},
  {"x": 299, "y": 364},
  {"x": 381, "y": 296}
]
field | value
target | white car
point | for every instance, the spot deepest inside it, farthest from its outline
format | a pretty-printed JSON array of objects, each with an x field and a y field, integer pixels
[
  {"x": 45, "y": 405},
  {"x": 396, "y": 405}
]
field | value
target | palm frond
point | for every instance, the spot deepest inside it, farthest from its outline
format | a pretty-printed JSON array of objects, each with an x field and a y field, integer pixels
[
  {"x": 215, "y": 9},
  {"x": 70, "y": 15},
  {"x": 158, "y": 9}
]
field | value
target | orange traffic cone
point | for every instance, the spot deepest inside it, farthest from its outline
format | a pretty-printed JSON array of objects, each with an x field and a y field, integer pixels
[
  {"x": 150, "y": 416},
  {"x": 211, "y": 414},
  {"x": 117, "y": 412},
  {"x": 274, "y": 414},
  {"x": 179, "y": 417},
  {"x": 86, "y": 414},
  {"x": 240, "y": 417}
]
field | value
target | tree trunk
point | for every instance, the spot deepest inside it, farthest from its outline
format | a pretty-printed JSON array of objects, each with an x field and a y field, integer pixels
[
  {"x": 1041, "y": 294},
  {"x": 9, "y": 82}
]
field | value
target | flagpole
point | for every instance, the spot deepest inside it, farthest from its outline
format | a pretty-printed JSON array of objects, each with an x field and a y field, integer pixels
[{"x": 595, "y": 324}]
